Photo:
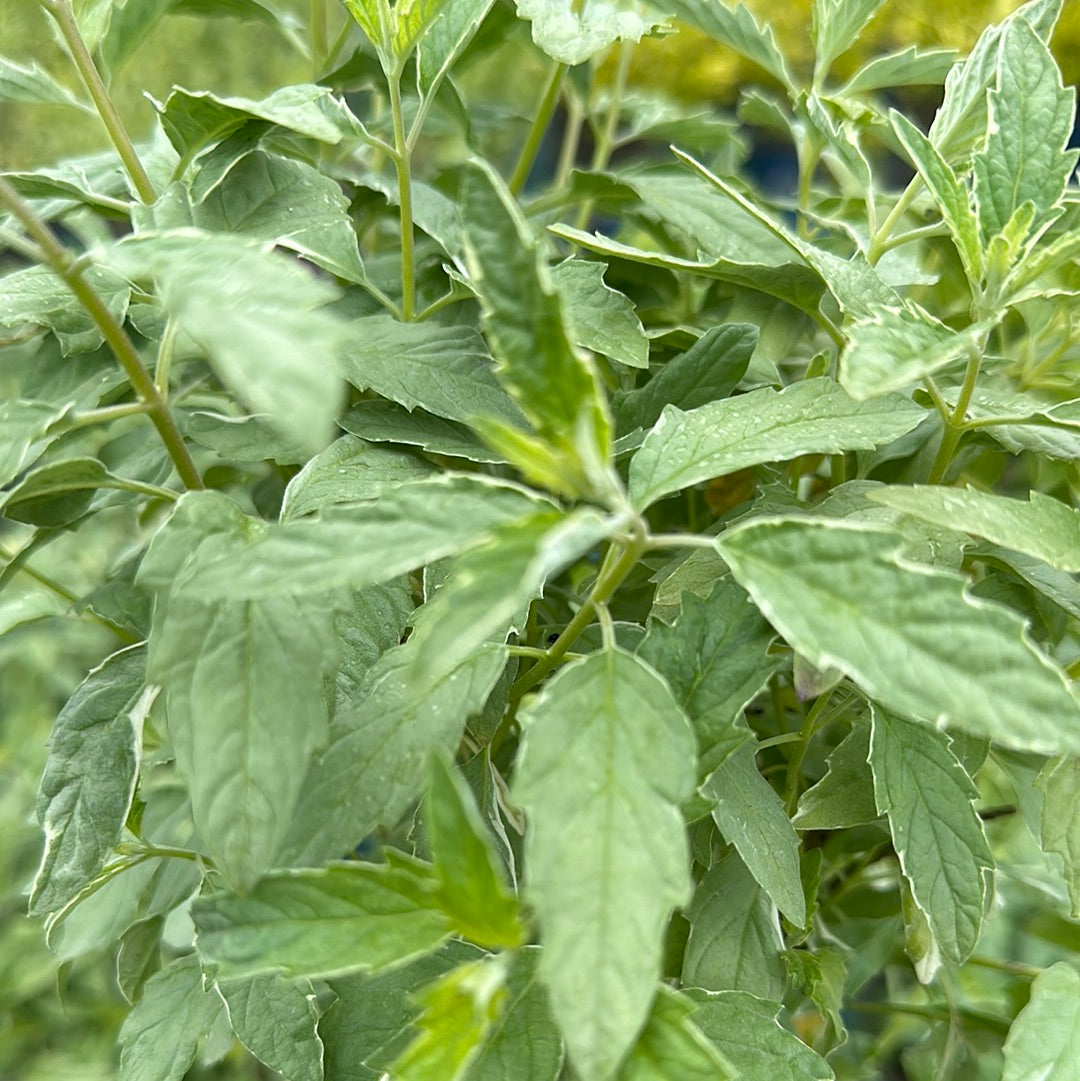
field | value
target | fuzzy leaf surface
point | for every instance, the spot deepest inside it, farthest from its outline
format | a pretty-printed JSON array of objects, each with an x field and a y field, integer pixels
[
  {"x": 601, "y": 318},
  {"x": 1044, "y": 1041},
  {"x": 572, "y": 33},
  {"x": 1059, "y": 782}
]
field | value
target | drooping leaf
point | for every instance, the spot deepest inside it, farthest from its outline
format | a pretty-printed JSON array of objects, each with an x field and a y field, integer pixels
[
  {"x": 275, "y": 1019},
  {"x": 1030, "y": 120},
  {"x": 555, "y": 385},
  {"x": 845, "y": 795},
  {"x": 36, "y": 296},
  {"x": 1044, "y": 1041},
  {"x": 745, "y": 1029},
  {"x": 714, "y": 657},
  {"x": 938, "y": 837},
  {"x": 282, "y": 201},
  {"x": 751, "y": 816},
  {"x": 350, "y": 470},
  {"x": 407, "y": 526},
  {"x": 572, "y": 33},
  {"x": 707, "y": 372},
  {"x": 160, "y": 1037},
  {"x": 908, "y": 634},
  {"x": 671, "y": 1045},
  {"x": 1043, "y": 527},
  {"x": 607, "y": 758},
  {"x": 471, "y": 887},
  {"x": 812, "y": 417},
  {"x": 256, "y": 314},
  {"x": 375, "y": 763},
  {"x": 1059, "y": 782},
  {"x": 320, "y": 923},
  {"x": 735, "y": 939},
  {"x": 445, "y": 370},
  {"x": 601, "y": 318},
  {"x": 89, "y": 779},
  {"x": 457, "y": 1012}
]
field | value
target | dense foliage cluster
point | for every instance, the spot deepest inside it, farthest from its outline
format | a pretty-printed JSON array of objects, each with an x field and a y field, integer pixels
[{"x": 575, "y": 611}]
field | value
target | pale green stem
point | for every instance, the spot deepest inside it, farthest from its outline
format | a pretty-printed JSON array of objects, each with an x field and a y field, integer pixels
[
  {"x": 64, "y": 14},
  {"x": 575, "y": 122},
  {"x": 318, "y": 36},
  {"x": 60, "y": 261},
  {"x": 679, "y": 540},
  {"x": 956, "y": 422},
  {"x": 105, "y": 415},
  {"x": 403, "y": 166},
  {"x": 544, "y": 111},
  {"x": 166, "y": 348},
  {"x": 878, "y": 241},
  {"x": 810, "y": 725}
]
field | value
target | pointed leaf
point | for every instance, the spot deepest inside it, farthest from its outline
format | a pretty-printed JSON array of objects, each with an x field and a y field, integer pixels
[
  {"x": 938, "y": 837},
  {"x": 912, "y": 66},
  {"x": 714, "y": 658},
  {"x": 735, "y": 939},
  {"x": 601, "y": 318},
  {"x": 471, "y": 888},
  {"x": 1042, "y": 527},
  {"x": 89, "y": 779},
  {"x": 909, "y": 635},
  {"x": 812, "y": 417},
  {"x": 320, "y": 923},
  {"x": 23, "y": 428},
  {"x": 1044, "y": 1041},
  {"x": 1030, "y": 120},
  {"x": 845, "y": 795},
  {"x": 606, "y": 761},
  {"x": 746, "y": 1031},
  {"x": 275, "y": 1018},
  {"x": 1059, "y": 782},
  {"x": 836, "y": 25},
  {"x": 30, "y": 84},
  {"x": 751, "y": 816},
  {"x": 446, "y": 39},
  {"x": 161, "y": 1035}
]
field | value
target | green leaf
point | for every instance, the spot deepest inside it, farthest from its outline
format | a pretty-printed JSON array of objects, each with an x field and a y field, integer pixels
[
  {"x": 707, "y": 372},
  {"x": 952, "y": 198},
  {"x": 1043, "y": 527},
  {"x": 138, "y": 956},
  {"x": 194, "y": 120},
  {"x": 1030, "y": 120},
  {"x": 28, "y": 83},
  {"x": 284, "y": 202},
  {"x": 836, "y": 25},
  {"x": 751, "y": 816},
  {"x": 412, "y": 18},
  {"x": 471, "y": 888},
  {"x": 735, "y": 939},
  {"x": 458, "y": 1010},
  {"x": 370, "y": 1016},
  {"x": 36, "y": 296},
  {"x": 320, "y": 923},
  {"x": 938, "y": 837},
  {"x": 523, "y": 1043},
  {"x": 375, "y": 764},
  {"x": 845, "y": 795},
  {"x": 1044, "y": 1041},
  {"x": 909, "y": 635},
  {"x": 671, "y": 1045},
  {"x": 255, "y": 313},
  {"x": 161, "y": 1035},
  {"x": 822, "y": 975},
  {"x": 1059, "y": 782},
  {"x": 387, "y": 422},
  {"x": 912, "y": 66},
  {"x": 490, "y": 587},
  {"x": 23, "y": 429},
  {"x": 746, "y": 1031},
  {"x": 601, "y": 318},
  {"x": 555, "y": 385},
  {"x": 714, "y": 658},
  {"x": 275, "y": 1018},
  {"x": 735, "y": 27},
  {"x": 350, "y": 470},
  {"x": 242, "y": 439},
  {"x": 407, "y": 526},
  {"x": 572, "y": 33},
  {"x": 89, "y": 779},
  {"x": 446, "y": 370},
  {"x": 896, "y": 347},
  {"x": 446, "y": 39},
  {"x": 812, "y": 417},
  {"x": 606, "y": 761}
]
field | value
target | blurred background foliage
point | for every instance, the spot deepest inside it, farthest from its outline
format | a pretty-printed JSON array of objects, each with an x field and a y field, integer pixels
[{"x": 59, "y": 1019}]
